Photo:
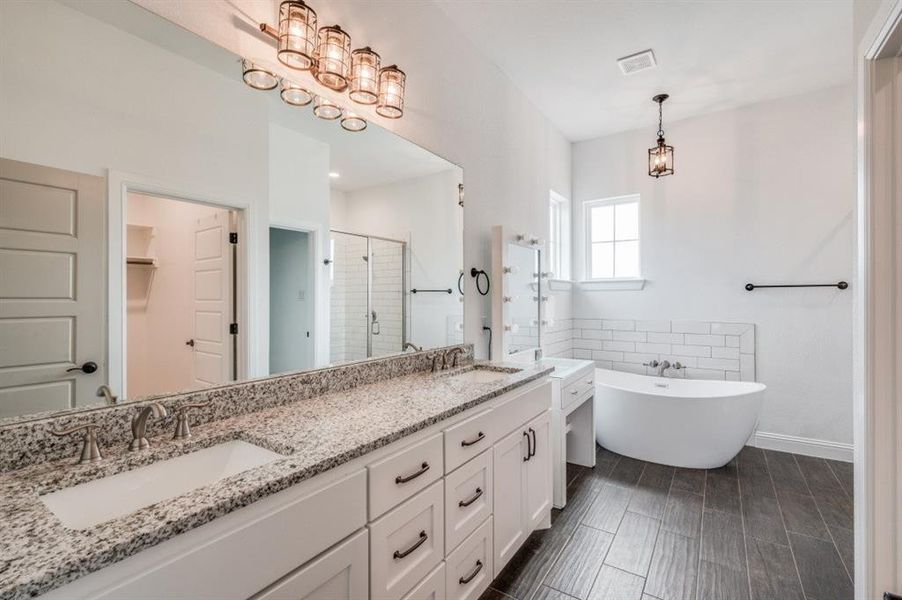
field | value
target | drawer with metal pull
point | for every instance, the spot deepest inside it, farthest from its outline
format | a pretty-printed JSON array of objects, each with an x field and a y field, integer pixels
[
  {"x": 407, "y": 543},
  {"x": 468, "y": 570},
  {"x": 468, "y": 499},
  {"x": 432, "y": 587},
  {"x": 582, "y": 386},
  {"x": 401, "y": 475},
  {"x": 468, "y": 438}
]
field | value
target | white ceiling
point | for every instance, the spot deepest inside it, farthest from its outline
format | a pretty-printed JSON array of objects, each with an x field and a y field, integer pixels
[{"x": 712, "y": 55}]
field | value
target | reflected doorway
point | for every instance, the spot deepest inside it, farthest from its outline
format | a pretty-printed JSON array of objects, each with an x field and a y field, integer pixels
[{"x": 292, "y": 295}]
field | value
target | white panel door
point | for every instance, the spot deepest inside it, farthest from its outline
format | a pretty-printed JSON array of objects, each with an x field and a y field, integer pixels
[
  {"x": 212, "y": 300},
  {"x": 52, "y": 288},
  {"x": 538, "y": 489},
  {"x": 510, "y": 504}
]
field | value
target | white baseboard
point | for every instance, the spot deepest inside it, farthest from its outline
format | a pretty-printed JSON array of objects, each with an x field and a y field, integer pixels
[{"x": 804, "y": 446}]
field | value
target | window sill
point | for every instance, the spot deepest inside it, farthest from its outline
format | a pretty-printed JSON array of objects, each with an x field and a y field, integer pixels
[
  {"x": 560, "y": 285},
  {"x": 612, "y": 285}
]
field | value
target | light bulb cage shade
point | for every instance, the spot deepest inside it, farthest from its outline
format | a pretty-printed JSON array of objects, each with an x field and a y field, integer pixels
[
  {"x": 660, "y": 159},
  {"x": 257, "y": 77},
  {"x": 353, "y": 122},
  {"x": 294, "y": 94},
  {"x": 365, "y": 65},
  {"x": 326, "y": 109},
  {"x": 297, "y": 35},
  {"x": 333, "y": 58},
  {"x": 392, "y": 83}
]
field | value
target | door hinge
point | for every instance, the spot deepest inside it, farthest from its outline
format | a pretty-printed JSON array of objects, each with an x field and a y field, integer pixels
[
  {"x": 233, "y": 237},
  {"x": 233, "y": 328}
]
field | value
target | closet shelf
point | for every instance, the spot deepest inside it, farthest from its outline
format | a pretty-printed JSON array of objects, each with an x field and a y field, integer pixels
[{"x": 141, "y": 261}]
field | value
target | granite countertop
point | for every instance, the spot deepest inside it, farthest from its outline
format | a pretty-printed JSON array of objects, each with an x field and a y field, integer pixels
[{"x": 37, "y": 553}]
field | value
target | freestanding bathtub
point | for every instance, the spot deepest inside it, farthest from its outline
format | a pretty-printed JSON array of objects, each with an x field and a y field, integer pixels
[{"x": 679, "y": 422}]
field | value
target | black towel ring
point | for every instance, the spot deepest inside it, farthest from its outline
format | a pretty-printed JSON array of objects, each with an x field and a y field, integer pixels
[{"x": 476, "y": 274}]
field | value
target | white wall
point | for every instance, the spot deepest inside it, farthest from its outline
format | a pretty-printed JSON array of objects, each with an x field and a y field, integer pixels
[
  {"x": 762, "y": 194},
  {"x": 424, "y": 212},
  {"x": 459, "y": 106}
]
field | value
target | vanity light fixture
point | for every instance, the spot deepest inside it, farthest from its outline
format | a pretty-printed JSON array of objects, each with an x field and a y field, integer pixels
[
  {"x": 333, "y": 58},
  {"x": 297, "y": 35},
  {"x": 365, "y": 76},
  {"x": 258, "y": 77},
  {"x": 353, "y": 122},
  {"x": 294, "y": 94},
  {"x": 392, "y": 82},
  {"x": 325, "y": 109},
  {"x": 660, "y": 158}
]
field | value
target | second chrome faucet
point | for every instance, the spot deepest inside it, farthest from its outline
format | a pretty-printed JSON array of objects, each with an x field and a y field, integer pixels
[{"x": 139, "y": 424}]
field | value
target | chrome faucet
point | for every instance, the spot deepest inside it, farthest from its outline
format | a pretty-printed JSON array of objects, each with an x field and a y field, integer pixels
[
  {"x": 435, "y": 366},
  {"x": 411, "y": 345},
  {"x": 660, "y": 366},
  {"x": 455, "y": 353},
  {"x": 104, "y": 391},
  {"x": 90, "y": 451},
  {"x": 139, "y": 425}
]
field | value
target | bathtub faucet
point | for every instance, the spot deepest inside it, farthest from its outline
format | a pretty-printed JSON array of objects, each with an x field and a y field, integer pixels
[{"x": 660, "y": 366}]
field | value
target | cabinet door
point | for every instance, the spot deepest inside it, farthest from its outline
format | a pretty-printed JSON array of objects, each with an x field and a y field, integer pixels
[
  {"x": 509, "y": 500},
  {"x": 537, "y": 478},
  {"x": 339, "y": 574}
]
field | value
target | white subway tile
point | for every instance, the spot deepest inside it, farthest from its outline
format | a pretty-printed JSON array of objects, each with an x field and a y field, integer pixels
[
  {"x": 638, "y": 357},
  {"x": 718, "y": 363},
  {"x": 587, "y": 323},
  {"x": 596, "y": 334},
  {"x": 665, "y": 338},
  {"x": 731, "y": 341},
  {"x": 620, "y": 346},
  {"x": 732, "y": 376},
  {"x": 747, "y": 342},
  {"x": 629, "y": 368},
  {"x": 725, "y": 353},
  {"x": 619, "y": 325},
  {"x": 747, "y": 367},
  {"x": 656, "y": 348},
  {"x": 629, "y": 336},
  {"x": 607, "y": 355},
  {"x": 604, "y": 364},
  {"x": 700, "y": 327},
  {"x": 686, "y": 361},
  {"x": 656, "y": 326},
  {"x": 582, "y": 354},
  {"x": 691, "y": 350},
  {"x": 730, "y": 328},
  {"x": 704, "y": 340},
  {"x": 588, "y": 344},
  {"x": 704, "y": 374}
]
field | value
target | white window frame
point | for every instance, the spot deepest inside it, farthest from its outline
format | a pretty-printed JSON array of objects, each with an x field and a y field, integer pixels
[
  {"x": 636, "y": 282},
  {"x": 559, "y": 244}
]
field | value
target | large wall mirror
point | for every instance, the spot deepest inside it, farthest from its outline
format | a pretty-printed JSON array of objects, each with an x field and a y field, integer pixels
[{"x": 165, "y": 227}]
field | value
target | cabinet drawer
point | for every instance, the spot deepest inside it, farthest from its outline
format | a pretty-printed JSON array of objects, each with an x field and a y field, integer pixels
[
  {"x": 467, "y": 439},
  {"x": 403, "y": 474},
  {"x": 339, "y": 574},
  {"x": 407, "y": 543},
  {"x": 520, "y": 408},
  {"x": 469, "y": 568},
  {"x": 431, "y": 588},
  {"x": 576, "y": 391},
  {"x": 468, "y": 499}
]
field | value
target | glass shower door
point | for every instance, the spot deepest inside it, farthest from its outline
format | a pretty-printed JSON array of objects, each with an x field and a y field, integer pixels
[
  {"x": 386, "y": 296},
  {"x": 348, "y": 306}
]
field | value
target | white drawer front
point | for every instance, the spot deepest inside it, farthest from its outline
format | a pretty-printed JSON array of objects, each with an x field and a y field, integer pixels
[
  {"x": 468, "y": 499},
  {"x": 520, "y": 408},
  {"x": 574, "y": 392},
  {"x": 469, "y": 568},
  {"x": 342, "y": 573},
  {"x": 468, "y": 438},
  {"x": 401, "y": 475},
  {"x": 431, "y": 588},
  {"x": 407, "y": 543}
]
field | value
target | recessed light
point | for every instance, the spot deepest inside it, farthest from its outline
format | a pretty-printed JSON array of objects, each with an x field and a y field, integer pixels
[{"x": 334, "y": 175}]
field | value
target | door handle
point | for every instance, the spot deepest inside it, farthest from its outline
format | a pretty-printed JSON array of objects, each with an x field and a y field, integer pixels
[
  {"x": 533, "y": 434},
  {"x": 190, "y": 343},
  {"x": 405, "y": 478},
  {"x": 89, "y": 367}
]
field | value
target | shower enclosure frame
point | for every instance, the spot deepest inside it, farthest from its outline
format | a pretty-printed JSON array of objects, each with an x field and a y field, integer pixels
[{"x": 369, "y": 285}]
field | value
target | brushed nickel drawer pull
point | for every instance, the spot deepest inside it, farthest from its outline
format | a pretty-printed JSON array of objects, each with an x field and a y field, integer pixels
[
  {"x": 473, "y": 498},
  {"x": 475, "y": 440},
  {"x": 405, "y": 478},
  {"x": 471, "y": 576},
  {"x": 399, "y": 554}
]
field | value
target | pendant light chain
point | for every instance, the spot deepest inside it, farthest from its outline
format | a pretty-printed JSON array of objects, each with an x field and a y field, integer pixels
[{"x": 660, "y": 118}]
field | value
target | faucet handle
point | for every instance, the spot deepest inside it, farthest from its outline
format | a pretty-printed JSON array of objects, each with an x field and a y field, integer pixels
[
  {"x": 90, "y": 451},
  {"x": 652, "y": 363},
  {"x": 182, "y": 429}
]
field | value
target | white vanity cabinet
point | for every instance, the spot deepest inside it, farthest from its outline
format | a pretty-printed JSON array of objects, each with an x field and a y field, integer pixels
[{"x": 434, "y": 515}]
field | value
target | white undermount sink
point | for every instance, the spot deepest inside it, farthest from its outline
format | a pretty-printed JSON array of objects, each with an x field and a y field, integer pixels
[
  {"x": 94, "y": 502},
  {"x": 477, "y": 375}
]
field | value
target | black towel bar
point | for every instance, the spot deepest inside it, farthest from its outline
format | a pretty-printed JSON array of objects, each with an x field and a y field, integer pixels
[
  {"x": 444, "y": 291},
  {"x": 841, "y": 285}
]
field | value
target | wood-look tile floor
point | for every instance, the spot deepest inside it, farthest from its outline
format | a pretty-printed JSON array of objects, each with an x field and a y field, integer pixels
[{"x": 767, "y": 526}]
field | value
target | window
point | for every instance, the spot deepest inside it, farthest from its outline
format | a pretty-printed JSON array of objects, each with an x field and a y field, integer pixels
[
  {"x": 612, "y": 233},
  {"x": 559, "y": 236}
]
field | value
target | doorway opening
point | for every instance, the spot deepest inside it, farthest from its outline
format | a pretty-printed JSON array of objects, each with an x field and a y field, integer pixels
[
  {"x": 181, "y": 300},
  {"x": 292, "y": 296}
]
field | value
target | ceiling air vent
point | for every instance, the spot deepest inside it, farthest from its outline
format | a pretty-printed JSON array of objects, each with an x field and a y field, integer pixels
[{"x": 637, "y": 62}]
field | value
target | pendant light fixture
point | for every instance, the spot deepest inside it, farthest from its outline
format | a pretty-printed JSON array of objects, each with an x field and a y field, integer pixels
[
  {"x": 352, "y": 121},
  {"x": 294, "y": 94},
  {"x": 297, "y": 35},
  {"x": 333, "y": 58},
  {"x": 258, "y": 77},
  {"x": 325, "y": 109},
  {"x": 365, "y": 76},
  {"x": 392, "y": 81},
  {"x": 660, "y": 158}
]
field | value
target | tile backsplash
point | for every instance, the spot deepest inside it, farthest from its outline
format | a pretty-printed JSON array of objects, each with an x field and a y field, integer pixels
[{"x": 708, "y": 349}]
